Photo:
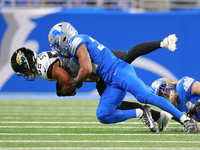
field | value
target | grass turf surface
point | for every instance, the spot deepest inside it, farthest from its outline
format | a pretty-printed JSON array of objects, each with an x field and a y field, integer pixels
[{"x": 72, "y": 124}]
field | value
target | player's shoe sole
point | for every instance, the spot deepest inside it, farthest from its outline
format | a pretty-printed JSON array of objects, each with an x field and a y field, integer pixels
[{"x": 147, "y": 118}]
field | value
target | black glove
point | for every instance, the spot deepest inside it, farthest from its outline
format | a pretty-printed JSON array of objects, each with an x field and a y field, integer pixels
[
  {"x": 192, "y": 111},
  {"x": 59, "y": 87}
]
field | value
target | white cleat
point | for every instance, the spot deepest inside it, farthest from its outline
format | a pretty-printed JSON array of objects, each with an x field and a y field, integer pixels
[
  {"x": 163, "y": 121},
  {"x": 169, "y": 42}
]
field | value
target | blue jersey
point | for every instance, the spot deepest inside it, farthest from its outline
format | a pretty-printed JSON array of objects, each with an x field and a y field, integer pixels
[
  {"x": 185, "y": 99},
  {"x": 103, "y": 60}
]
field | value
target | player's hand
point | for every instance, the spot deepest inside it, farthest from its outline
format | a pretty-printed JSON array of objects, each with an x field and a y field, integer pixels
[
  {"x": 71, "y": 93},
  {"x": 192, "y": 111},
  {"x": 59, "y": 89}
]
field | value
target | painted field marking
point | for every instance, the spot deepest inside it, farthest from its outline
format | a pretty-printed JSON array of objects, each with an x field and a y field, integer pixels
[
  {"x": 94, "y": 141},
  {"x": 97, "y": 148},
  {"x": 50, "y": 122},
  {"x": 91, "y": 134},
  {"x": 71, "y": 127}
]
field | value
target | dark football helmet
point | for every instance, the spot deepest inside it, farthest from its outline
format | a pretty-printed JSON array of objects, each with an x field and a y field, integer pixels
[{"x": 23, "y": 62}]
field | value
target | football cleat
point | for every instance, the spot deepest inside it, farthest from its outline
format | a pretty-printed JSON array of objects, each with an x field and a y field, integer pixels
[
  {"x": 169, "y": 42},
  {"x": 190, "y": 125},
  {"x": 163, "y": 121},
  {"x": 147, "y": 118}
]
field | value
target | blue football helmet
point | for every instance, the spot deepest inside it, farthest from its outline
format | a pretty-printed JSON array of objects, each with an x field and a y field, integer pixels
[
  {"x": 59, "y": 36},
  {"x": 162, "y": 88}
]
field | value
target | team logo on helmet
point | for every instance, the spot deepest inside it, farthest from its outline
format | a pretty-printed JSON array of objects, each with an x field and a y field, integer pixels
[
  {"x": 20, "y": 57},
  {"x": 57, "y": 31}
]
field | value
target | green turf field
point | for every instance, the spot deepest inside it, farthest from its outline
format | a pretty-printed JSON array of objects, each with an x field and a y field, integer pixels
[{"x": 72, "y": 124}]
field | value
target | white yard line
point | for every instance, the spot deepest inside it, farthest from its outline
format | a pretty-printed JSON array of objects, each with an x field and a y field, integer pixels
[
  {"x": 92, "y": 141},
  {"x": 48, "y": 114},
  {"x": 50, "y": 111},
  {"x": 79, "y": 134},
  {"x": 50, "y": 122},
  {"x": 73, "y": 127},
  {"x": 97, "y": 148}
]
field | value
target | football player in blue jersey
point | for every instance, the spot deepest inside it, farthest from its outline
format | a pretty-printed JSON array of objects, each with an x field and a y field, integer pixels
[
  {"x": 96, "y": 61},
  {"x": 27, "y": 63},
  {"x": 184, "y": 94},
  {"x": 162, "y": 118}
]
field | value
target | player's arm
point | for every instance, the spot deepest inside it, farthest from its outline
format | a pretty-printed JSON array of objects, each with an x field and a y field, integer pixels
[
  {"x": 195, "y": 89},
  {"x": 85, "y": 66},
  {"x": 63, "y": 78}
]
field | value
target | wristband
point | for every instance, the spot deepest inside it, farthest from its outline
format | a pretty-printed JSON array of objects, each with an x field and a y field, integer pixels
[{"x": 76, "y": 84}]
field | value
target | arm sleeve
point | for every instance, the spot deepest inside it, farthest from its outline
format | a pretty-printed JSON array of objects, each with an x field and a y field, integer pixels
[{"x": 137, "y": 50}]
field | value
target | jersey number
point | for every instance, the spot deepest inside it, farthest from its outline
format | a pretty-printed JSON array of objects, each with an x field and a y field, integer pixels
[
  {"x": 100, "y": 46},
  {"x": 39, "y": 66}
]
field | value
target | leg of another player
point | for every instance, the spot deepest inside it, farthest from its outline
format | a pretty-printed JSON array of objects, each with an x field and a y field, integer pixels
[
  {"x": 162, "y": 118},
  {"x": 146, "y": 48}
]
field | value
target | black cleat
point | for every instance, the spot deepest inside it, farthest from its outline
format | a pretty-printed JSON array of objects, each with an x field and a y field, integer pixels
[
  {"x": 147, "y": 118},
  {"x": 190, "y": 125}
]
